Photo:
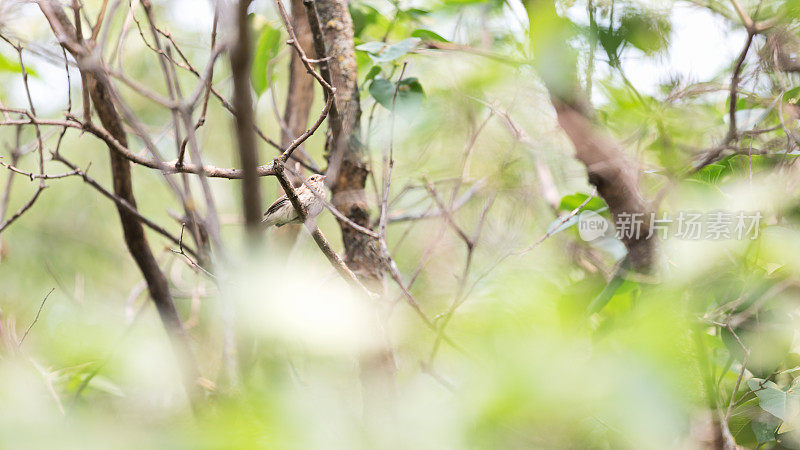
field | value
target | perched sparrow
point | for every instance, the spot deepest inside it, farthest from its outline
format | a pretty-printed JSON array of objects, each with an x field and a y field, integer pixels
[{"x": 282, "y": 211}]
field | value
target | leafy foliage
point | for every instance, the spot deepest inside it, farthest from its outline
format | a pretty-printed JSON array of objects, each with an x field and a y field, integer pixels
[
  {"x": 409, "y": 93},
  {"x": 535, "y": 338},
  {"x": 381, "y": 52},
  {"x": 266, "y": 50}
]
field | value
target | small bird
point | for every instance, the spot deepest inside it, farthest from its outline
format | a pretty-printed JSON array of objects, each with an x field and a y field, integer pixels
[{"x": 282, "y": 211}]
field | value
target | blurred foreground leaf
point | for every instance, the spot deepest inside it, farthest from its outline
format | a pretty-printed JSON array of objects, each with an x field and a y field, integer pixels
[
  {"x": 382, "y": 52},
  {"x": 409, "y": 93},
  {"x": 266, "y": 49}
]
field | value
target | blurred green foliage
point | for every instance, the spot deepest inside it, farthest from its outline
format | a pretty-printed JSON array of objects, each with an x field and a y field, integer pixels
[{"x": 657, "y": 363}]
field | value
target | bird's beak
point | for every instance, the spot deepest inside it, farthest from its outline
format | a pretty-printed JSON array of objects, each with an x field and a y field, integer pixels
[{"x": 323, "y": 178}]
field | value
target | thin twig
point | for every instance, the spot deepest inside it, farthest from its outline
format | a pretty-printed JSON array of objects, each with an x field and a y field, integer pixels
[
  {"x": 35, "y": 319},
  {"x": 124, "y": 204},
  {"x": 388, "y": 161},
  {"x": 23, "y": 209}
]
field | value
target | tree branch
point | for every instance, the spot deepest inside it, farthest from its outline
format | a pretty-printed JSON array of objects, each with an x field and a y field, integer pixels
[
  {"x": 135, "y": 239},
  {"x": 241, "y": 61}
]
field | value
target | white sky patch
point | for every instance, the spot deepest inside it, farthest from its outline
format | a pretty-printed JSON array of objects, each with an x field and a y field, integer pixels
[{"x": 702, "y": 45}]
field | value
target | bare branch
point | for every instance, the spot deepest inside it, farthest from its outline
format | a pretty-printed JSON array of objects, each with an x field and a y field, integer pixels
[
  {"x": 102, "y": 95},
  {"x": 23, "y": 209},
  {"x": 35, "y": 319},
  {"x": 117, "y": 147},
  {"x": 122, "y": 203}
]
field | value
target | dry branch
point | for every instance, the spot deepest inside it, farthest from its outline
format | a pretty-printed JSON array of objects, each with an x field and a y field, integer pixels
[
  {"x": 135, "y": 239},
  {"x": 301, "y": 86}
]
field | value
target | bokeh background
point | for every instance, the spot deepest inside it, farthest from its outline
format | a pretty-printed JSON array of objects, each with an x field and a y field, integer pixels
[{"x": 653, "y": 369}]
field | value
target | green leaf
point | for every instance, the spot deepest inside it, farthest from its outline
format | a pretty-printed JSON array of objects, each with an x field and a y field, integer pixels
[
  {"x": 381, "y": 52},
  {"x": 371, "y": 47},
  {"x": 711, "y": 173},
  {"x": 764, "y": 431},
  {"x": 555, "y": 59},
  {"x": 740, "y": 165},
  {"x": 415, "y": 13},
  {"x": 605, "y": 295},
  {"x": 373, "y": 72},
  {"x": 741, "y": 421},
  {"x": 382, "y": 91},
  {"x": 791, "y": 9},
  {"x": 104, "y": 384},
  {"x": 572, "y": 201},
  {"x": 784, "y": 405},
  {"x": 8, "y": 65},
  {"x": 610, "y": 40},
  {"x": 409, "y": 93},
  {"x": 792, "y": 95},
  {"x": 647, "y": 32},
  {"x": 733, "y": 166},
  {"x": 745, "y": 102},
  {"x": 411, "y": 85},
  {"x": 768, "y": 337},
  {"x": 266, "y": 49},
  {"x": 463, "y": 2},
  {"x": 428, "y": 35},
  {"x": 624, "y": 298},
  {"x": 363, "y": 16}
]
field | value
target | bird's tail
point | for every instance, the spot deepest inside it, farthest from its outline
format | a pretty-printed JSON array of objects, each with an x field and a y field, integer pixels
[{"x": 271, "y": 222}]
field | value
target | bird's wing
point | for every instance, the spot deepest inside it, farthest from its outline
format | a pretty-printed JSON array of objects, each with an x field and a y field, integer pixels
[{"x": 277, "y": 205}]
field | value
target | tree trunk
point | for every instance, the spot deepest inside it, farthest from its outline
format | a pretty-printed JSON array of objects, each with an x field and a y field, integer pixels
[
  {"x": 347, "y": 176},
  {"x": 347, "y": 163}
]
